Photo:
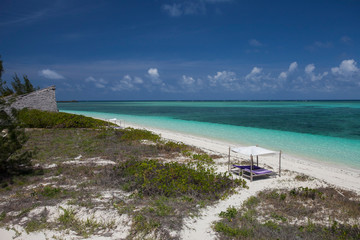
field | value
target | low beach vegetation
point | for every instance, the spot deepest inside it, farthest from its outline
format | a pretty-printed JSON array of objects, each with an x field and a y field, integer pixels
[
  {"x": 304, "y": 213},
  {"x": 132, "y": 134},
  {"x": 81, "y": 158},
  {"x": 152, "y": 177},
  {"x": 33, "y": 118}
]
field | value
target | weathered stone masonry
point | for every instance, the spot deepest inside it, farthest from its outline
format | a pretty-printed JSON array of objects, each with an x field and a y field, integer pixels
[{"x": 43, "y": 99}]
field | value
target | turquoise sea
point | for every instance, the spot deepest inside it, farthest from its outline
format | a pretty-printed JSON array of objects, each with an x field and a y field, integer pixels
[{"x": 325, "y": 131}]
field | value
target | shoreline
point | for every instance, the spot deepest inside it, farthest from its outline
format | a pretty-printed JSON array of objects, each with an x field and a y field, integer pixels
[
  {"x": 341, "y": 177},
  {"x": 313, "y": 148}
]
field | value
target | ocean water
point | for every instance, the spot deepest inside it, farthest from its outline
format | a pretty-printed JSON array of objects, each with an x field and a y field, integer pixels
[{"x": 325, "y": 131}]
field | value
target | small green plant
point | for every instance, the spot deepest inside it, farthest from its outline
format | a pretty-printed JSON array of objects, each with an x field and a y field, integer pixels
[
  {"x": 203, "y": 158},
  {"x": 162, "y": 209},
  {"x": 310, "y": 226},
  {"x": 35, "y": 225},
  {"x": 251, "y": 202},
  {"x": 271, "y": 224},
  {"x": 50, "y": 192},
  {"x": 278, "y": 217},
  {"x": 143, "y": 225},
  {"x": 67, "y": 218},
  {"x": 232, "y": 231},
  {"x": 26, "y": 210},
  {"x": 306, "y": 192},
  {"x": 229, "y": 214},
  {"x": 131, "y": 134},
  {"x": 302, "y": 177},
  {"x": 282, "y": 196},
  {"x": 2, "y": 216},
  {"x": 249, "y": 215},
  {"x": 172, "y": 146},
  {"x": 46, "y": 191}
]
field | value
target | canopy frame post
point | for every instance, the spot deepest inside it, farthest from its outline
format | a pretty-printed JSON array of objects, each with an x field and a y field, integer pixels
[
  {"x": 251, "y": 167},
  {"x": 280, "y": 163},
  {"x": 229, "y": 160}
]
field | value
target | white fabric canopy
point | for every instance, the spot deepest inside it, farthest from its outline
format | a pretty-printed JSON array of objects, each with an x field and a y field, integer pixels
[
  {"x": 253, "y": 151},
  {"x": 112, "y": 119}
]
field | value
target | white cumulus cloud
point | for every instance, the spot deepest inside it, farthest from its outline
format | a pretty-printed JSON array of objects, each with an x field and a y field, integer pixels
[
  {"x": 127, "y": 83},
  {"x": 255, "y": 43},
  {"x": 309, "y": 68},
  {"x": 190, "y": 84},
  {"x": 99, "y": 83},
  {"x": 186, "y": 80},
  {"x": 182, "y": 8},
  {"x": 293, "y": 66},
  {"x": 50, "y": 74},
  {"x": 283, "y": 75},
  {"x": 346, "y": 68},
  {"x": 254, "y": 72},
  {"x": 346, "y": 39},
  {"x": 154, "y": 75},
  {"x": 226, "y": 79},
  {"x": 173, "y": 10}
]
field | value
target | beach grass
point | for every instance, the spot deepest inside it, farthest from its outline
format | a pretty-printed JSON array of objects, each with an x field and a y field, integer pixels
[
  {"x": 304, "y": 213},
  {"x": 72, "y": 172}
]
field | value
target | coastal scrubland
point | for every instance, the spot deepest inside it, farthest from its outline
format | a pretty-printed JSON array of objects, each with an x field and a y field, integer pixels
[{"x": 92, "y": 179}]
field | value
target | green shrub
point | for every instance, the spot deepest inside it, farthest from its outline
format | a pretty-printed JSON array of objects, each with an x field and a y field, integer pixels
[
  {"x": 152, "y": 177},
  {"x": 35, "y": 225},
  {"x": 229, "y": 214},
  {"x": 232, "y": 231},
  {"x": 252, "y": 202},
  {"x": 50, "y": 192},
  {"x": 278, "y": 217},
  {"x": 203, "y": 158},
  {"x": 2, "y": 216},
  {"x": 67, "y": 219},
  {"x": 131, "y": 134},
  {"x": 172, "y": 146},
  {"x": 144, "y": 225},
  {"x": 271, "y": 224},
  {"x": 306, "y": 193},
  {"x": 47, "y": 192},
  {"x": 32, "y": 118}
]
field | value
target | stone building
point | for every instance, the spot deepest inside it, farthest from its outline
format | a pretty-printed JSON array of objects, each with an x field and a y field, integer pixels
[{"x": 43, "y": 99}]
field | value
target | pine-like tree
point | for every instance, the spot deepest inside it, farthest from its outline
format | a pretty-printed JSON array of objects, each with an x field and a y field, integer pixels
[
  {"x": 28, "y": 87},
  {"x": 17, "y": 85},
  {"x": 13, "y": 160},
  {"x": 4, "y": 90}
]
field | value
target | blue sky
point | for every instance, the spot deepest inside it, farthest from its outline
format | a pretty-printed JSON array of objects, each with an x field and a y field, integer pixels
[{"x": 184, "y": 50}]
